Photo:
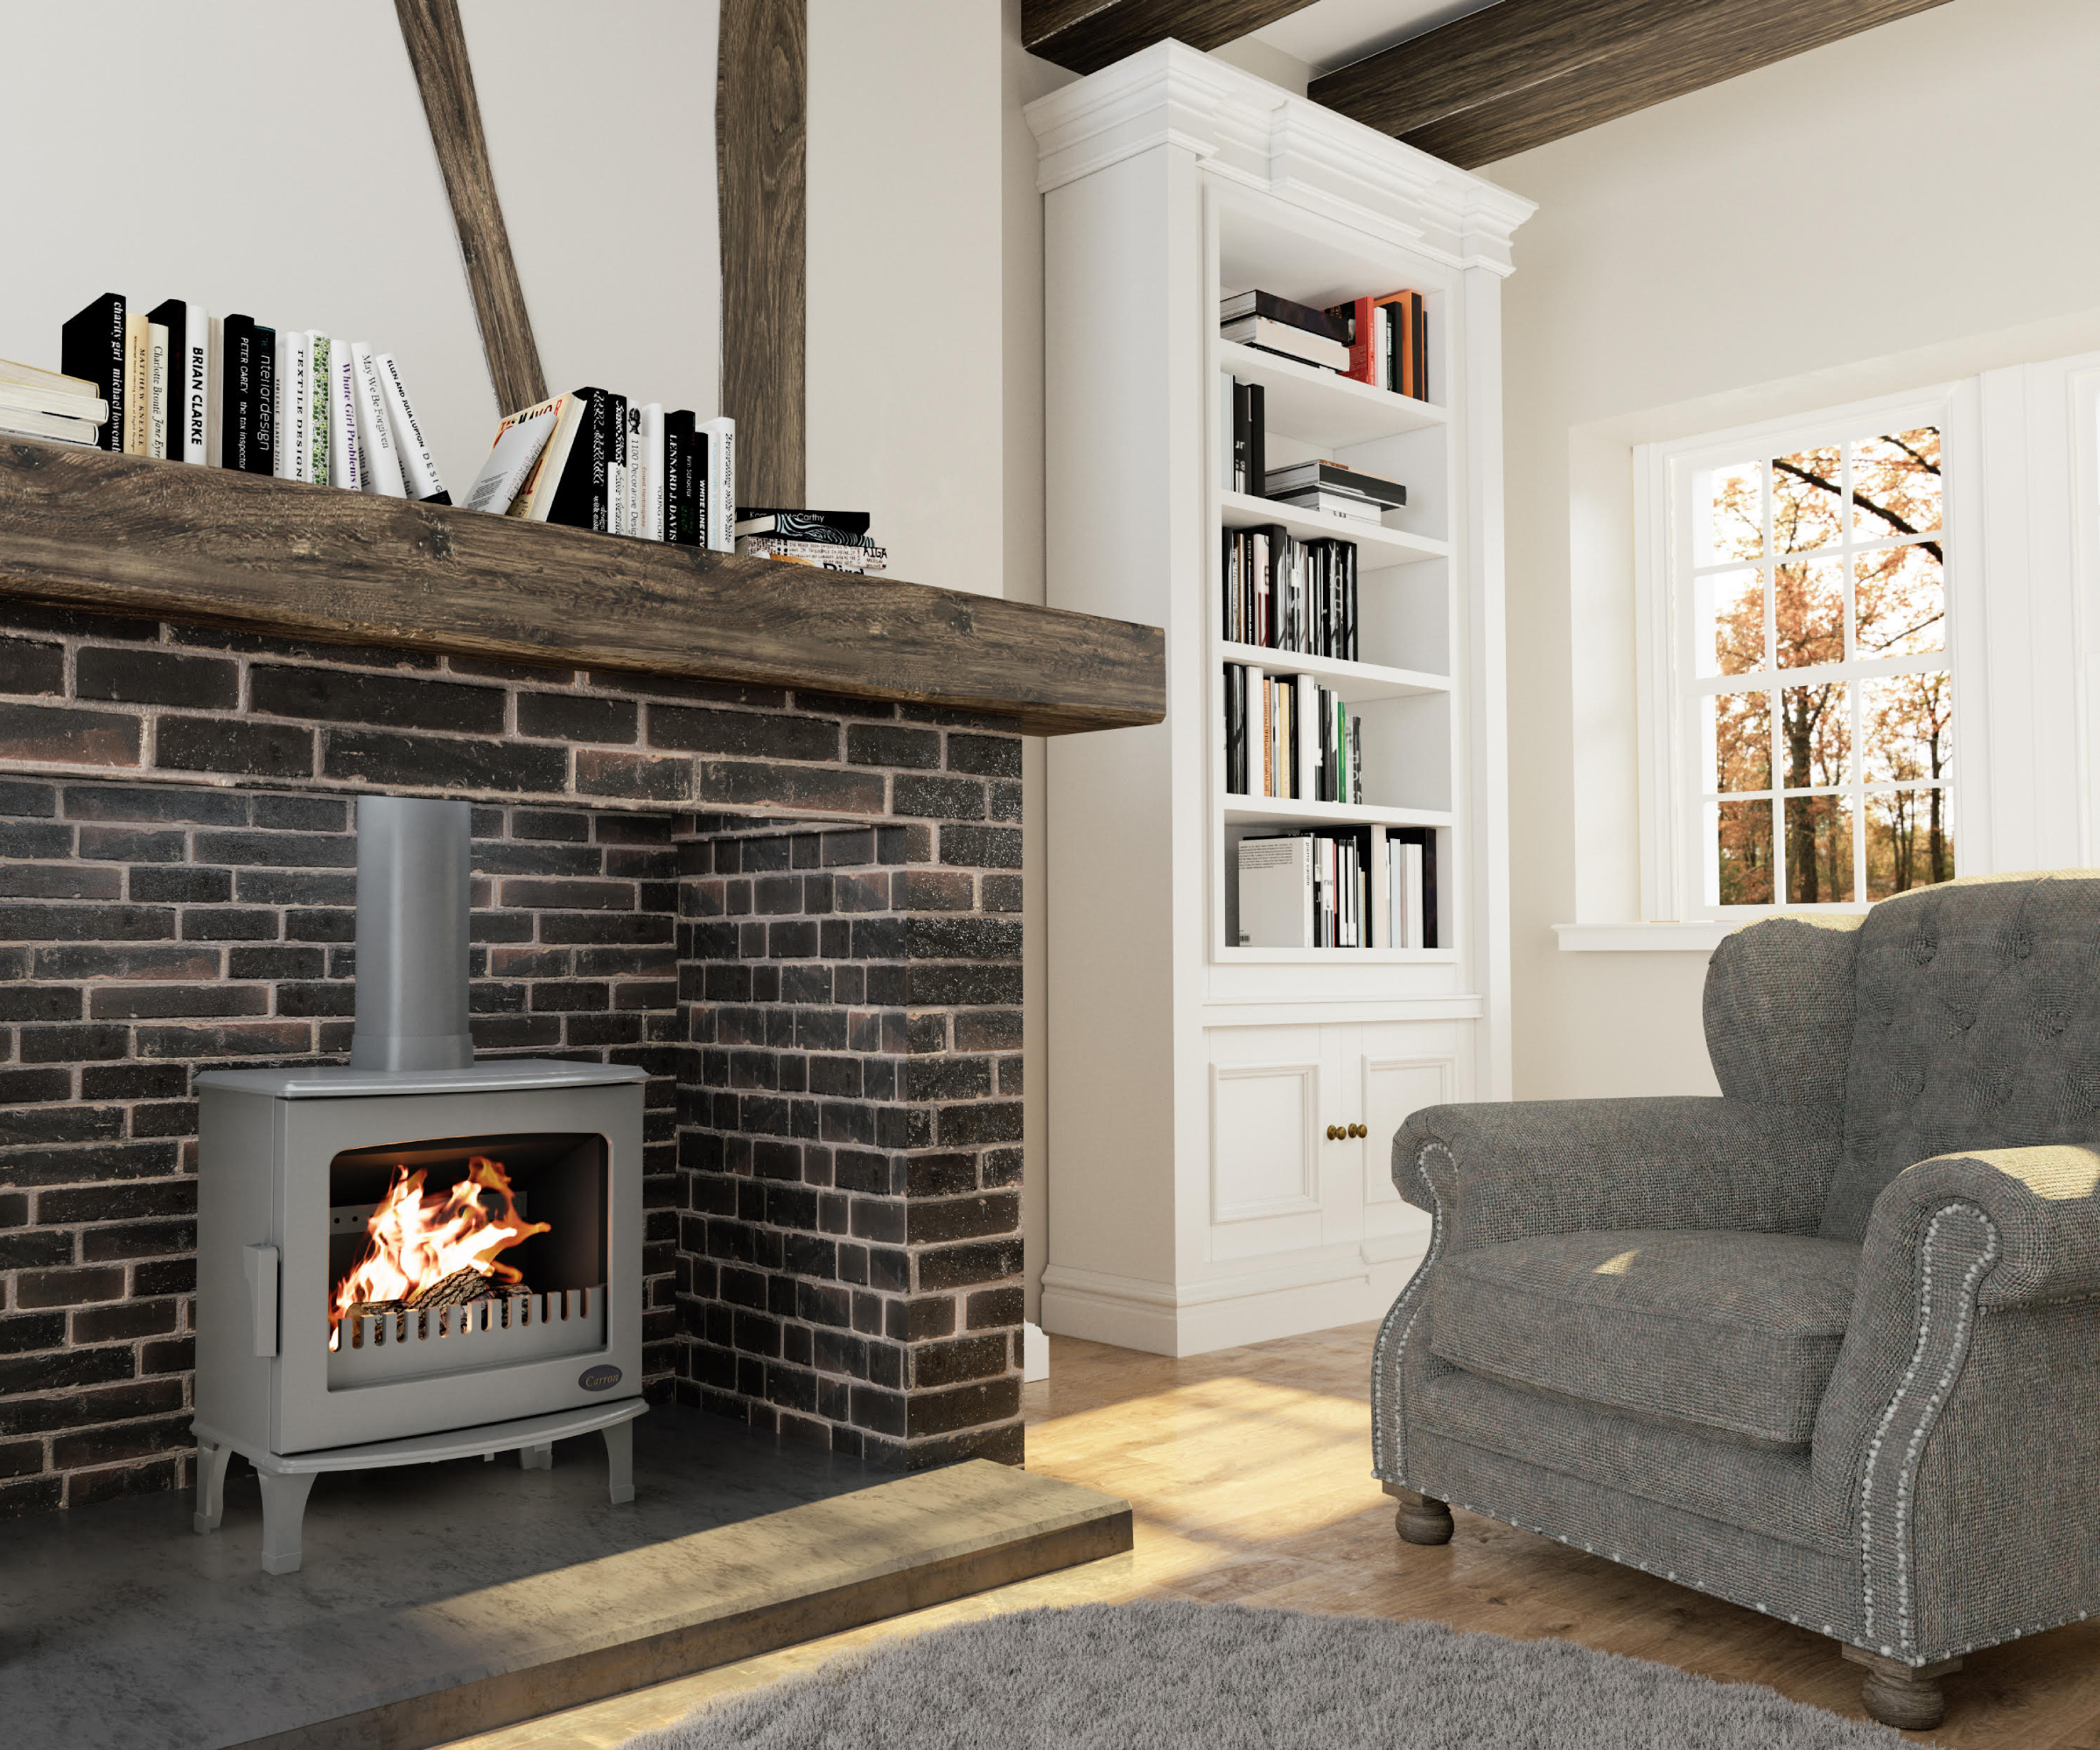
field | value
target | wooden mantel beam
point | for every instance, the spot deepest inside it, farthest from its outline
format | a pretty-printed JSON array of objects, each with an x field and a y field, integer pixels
[
  {"x": 1085, "y": 35},
  {"x": 1521, "y": 72}
]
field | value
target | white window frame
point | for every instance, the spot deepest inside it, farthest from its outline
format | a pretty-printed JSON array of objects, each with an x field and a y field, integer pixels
[{"x": 1672, "y": 814}]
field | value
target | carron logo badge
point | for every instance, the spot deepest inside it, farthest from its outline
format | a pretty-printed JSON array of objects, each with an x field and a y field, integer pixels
[{"x": 598, "y": 1378}]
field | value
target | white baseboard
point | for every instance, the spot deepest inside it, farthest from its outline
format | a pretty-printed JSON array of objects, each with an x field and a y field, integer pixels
[{"x": 1195, "y": 1318}]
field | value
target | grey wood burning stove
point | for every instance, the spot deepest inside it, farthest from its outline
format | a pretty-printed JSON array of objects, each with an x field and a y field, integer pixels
[{"x": 415, "y": 1257}]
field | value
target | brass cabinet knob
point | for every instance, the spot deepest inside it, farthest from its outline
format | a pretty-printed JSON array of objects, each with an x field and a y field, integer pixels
[
  {"x": 1334, "y": 1133},
  {"x": 1358, "y": 1130}
]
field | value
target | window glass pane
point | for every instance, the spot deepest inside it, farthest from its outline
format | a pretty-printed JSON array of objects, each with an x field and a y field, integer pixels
[
  {"x": 1729, "y": 514},
  {"x": 1731, "y": 608},
  {"x": 1907, "y": 722},
  {"x": 1909, "y": 841},
  {"x": 1896, "y": 484},
  {"x": 1816, "y": 735},
  {"x": 1808, "y": 612},
  {"x": 1743, "y": 832},
  {"x": 1819, "y": 850},
  {"x": 1900, "y": 601},
  {"x": 1806, "y": 487},
  {"x": 1740, "y": 727}
]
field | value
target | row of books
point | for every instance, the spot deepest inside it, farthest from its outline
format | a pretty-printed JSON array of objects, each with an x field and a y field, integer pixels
[
  {"x": 590, "y": 458},
  {"x": 1283, "y": 593},
  {"x": 1286, "y": 735},
  {"x": 1339, "y": 887},
  {"x": 1381, "y": 340},
  {"x": 177, "y": 383}
]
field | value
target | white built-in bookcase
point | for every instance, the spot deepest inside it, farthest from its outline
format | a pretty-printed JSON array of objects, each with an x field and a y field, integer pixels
[{"x": 1220, "y": 1118}]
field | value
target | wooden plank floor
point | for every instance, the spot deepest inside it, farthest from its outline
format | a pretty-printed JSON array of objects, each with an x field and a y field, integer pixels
[{"x": 1248, "y": 1470}]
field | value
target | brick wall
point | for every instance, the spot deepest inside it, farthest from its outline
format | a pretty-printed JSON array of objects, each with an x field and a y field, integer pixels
[
  {"x": 176, "y": 893},
  {"x": 850, "y": 1129}
]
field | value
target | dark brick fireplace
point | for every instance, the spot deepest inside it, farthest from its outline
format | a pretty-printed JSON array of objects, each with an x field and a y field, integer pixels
[{"x": 799, "y": 913}]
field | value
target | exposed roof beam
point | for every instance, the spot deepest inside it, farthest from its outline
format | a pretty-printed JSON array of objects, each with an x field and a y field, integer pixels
[
  {"x": 1524, "y": 72},
  {"x": 1085, "y": 35}
]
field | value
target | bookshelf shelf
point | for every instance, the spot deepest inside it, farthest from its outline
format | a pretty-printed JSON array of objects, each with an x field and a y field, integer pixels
[
  {"x": 1358, "y": 683},
  {"x": 1296, "y": 811},
  {"x": 1197, "y": 1196},
  {"x": 1243, "y": 510},
  {"x": 122, "y": 534},
  {"x": 1319, "y": 408}
]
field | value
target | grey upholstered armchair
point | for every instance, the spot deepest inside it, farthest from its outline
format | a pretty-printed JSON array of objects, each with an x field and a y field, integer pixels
[{"x": 1827, "y": 1346}]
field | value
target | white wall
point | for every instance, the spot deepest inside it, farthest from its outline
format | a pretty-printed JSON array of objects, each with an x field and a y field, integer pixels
[
  {"x": 1771, "y": 245},
  {"x": 301, "y": 187},
  {"x": 906, "y": 360}
]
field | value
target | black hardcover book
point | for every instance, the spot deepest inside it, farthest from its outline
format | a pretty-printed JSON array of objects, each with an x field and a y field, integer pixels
[
  {"x": 236, "y": 393},
  {"x": 579, "y": 496},
  {"x": 1328, "y": 324},
  {"x": 1421, "y": 350},
  {"x": 681, "y": 506},
  {"x": 91, "y": 347},
  {"x": 616, "y": 453},
  {"x": 263, "y": 430},
  {"x": 1426, "y": 837},
  {"x": 843, "y": 522},
  {"x": 1238, "y": 482},
  {"x": 1257, "y": 439}
]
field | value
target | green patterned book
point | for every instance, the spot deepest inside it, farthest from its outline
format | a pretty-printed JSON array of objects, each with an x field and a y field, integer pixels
[{"x": 317, "y": 414}]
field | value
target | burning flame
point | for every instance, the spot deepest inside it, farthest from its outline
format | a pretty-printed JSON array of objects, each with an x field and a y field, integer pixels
[{"x": 414, "y": 1246}]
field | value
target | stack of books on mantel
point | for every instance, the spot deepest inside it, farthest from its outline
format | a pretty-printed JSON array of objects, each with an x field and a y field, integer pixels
[
  {"x": 593, "y": 460},
  {"x": 832, "y": 540},
  {"x": 46, "y": 404},
  {"x": 179, "y": 383}
]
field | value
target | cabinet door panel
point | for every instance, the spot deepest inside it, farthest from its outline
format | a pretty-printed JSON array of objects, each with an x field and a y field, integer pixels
[
  {"x": 1392, "y": 1088},
  {"x": 1263, "y": 1161}
]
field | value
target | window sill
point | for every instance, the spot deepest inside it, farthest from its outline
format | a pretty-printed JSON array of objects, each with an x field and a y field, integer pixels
[{"x": 1701, "y": 936}]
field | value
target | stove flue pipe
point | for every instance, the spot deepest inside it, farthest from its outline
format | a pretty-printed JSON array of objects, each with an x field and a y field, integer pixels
[{"x": 413, "y": 865}]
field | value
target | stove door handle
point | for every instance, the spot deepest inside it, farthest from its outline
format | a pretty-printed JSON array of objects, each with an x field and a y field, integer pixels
[{"x": 259, "y": 1263}]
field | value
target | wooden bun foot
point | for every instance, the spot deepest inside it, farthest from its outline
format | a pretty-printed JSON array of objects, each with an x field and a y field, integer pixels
[
  {"x": 1422, "y": 1518},
  {"x": 1907, "y": 1697}
]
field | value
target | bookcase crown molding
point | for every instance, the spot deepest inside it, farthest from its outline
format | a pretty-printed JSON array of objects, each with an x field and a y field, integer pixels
[{"x": 1244, "y": 129}]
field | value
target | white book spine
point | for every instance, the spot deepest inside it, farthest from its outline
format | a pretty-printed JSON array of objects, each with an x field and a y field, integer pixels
[
  {"x": 380, "y": 462},
  {"x": 346, "y": 466},
  {"x": 418, "y": 466},
  {"x": 721, "y": 484},
  {"x": 630, "y": 473},
  {"x": 1308, "y": 741},
  {"x": 299, "y": 427},
  {"x": 280, "y": 416},
  {"x": 1412, "y": 900},
  {"x": 190, "y": 394},
  {"x": 651, "y": 471},
  {"x": 157, "y": 390}
]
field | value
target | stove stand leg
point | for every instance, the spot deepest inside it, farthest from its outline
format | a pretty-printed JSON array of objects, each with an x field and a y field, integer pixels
[
  {"x": 211, "y": 1486},
  {"x": 536, "y": 1458},
  {"x": 620, "y": 1458},
  {"x": 284, "y": 1511}
]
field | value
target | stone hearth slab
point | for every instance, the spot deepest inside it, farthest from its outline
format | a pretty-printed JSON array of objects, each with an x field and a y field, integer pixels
[{"x": 450, "y": 1599}]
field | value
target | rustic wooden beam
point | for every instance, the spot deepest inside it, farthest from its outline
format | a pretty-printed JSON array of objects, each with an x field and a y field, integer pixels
[
  {"x": 1084, "y": 35},
  {"x": 760, "y": 153},
  {"x": 1522, "y": 73},
  {"x": 214, "y": 546},
  {"x": 436, "y": 45}
]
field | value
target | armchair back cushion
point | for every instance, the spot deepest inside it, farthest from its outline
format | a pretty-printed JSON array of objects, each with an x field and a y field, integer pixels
[{"x": 1976, "y": 1024}]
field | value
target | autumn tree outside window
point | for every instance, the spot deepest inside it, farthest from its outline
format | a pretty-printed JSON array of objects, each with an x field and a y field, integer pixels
[{"x": 1814, "y": 672}]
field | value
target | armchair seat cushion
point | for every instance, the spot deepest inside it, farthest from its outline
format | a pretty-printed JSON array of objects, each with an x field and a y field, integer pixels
[{"x": 1728, "y": 1333}]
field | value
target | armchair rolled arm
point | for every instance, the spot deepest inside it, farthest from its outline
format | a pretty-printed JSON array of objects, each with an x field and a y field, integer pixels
[
  {"x": 1506, "y": 1171},
  {"x": 2041, "y": 1200}
]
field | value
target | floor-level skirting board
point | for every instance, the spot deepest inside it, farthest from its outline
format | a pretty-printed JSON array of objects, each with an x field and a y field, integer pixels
[
  {"x": 438, "y": 1603},
  {"x": 1256, "y": 1305}
]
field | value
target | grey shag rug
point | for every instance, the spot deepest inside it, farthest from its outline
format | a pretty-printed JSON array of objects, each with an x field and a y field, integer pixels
[{"x": 1172, "y": 1675}]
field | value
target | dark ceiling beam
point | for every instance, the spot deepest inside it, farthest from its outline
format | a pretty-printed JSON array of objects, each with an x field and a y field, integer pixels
[
  {"x": 1522, "y": 73},
  {"x": 437, "y": 45},
  {"x": 1085, "y": 35}
]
